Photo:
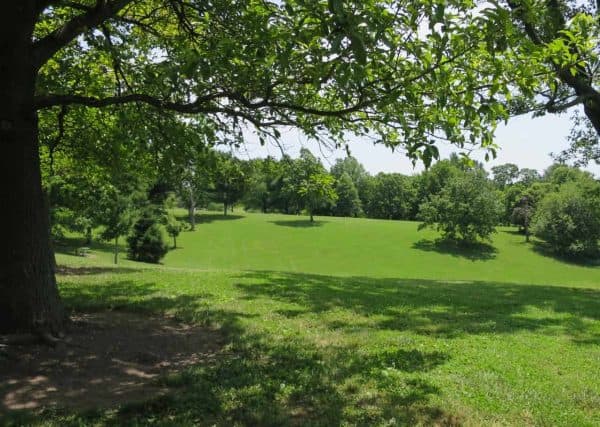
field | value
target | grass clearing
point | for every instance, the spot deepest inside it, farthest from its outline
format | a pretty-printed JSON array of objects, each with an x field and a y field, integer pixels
[{"x": 355, "y": 322}]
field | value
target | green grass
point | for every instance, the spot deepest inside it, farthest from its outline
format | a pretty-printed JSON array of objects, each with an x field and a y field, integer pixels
[{"x": 358, "y": 322}]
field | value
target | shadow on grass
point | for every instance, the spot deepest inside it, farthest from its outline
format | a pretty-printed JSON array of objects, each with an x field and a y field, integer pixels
[
  {"x": 207, "y": 218},
  {"x": 256, "y": 380},
  {"x": 429, "y": 307},
  {"x": 544, "y": 249},
  {"x": 69, "y": 246},
  {"x": 473, "y": 251},
  {"x": 299, "y": 223},
  {"x": 65, "y": 270}
]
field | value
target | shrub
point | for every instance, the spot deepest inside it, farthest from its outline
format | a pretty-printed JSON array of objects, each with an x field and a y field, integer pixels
[
  {"x": 147, "y": 242},
  {"x": 569, "y": 221}
]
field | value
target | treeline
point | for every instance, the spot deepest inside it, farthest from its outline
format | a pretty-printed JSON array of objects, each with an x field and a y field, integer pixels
[{"x": 460, "y": 199}]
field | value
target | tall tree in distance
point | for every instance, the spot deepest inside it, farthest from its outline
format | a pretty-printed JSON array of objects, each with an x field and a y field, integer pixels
[{"x": 348, "y": 202}]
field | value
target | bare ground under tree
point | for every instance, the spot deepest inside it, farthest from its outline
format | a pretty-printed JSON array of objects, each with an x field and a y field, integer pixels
[{"x": 109, "y": 358}]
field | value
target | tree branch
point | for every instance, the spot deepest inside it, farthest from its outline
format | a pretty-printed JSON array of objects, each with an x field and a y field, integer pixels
[{"x": 46, "y": 47}]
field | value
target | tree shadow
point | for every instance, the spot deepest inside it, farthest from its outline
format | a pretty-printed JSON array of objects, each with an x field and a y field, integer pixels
[
  {"x": 542, "y": 248},
  {"x": 514, "y": 232},
  {"x": 207, "y": 218},
  {"x": 429, "y": 307},
  {"x": 66, "y": 270},
  {"x": 299, "y": 223},
  {"x": 477, "y": 251},
  {"x": 70, "y": 245}
]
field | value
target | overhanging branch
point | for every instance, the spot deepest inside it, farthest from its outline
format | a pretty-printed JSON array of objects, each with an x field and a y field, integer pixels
[{"x": 46, "y": 47}]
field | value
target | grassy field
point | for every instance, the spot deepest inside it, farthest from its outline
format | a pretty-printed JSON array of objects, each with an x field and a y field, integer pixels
[{"x": 357, "y": 322}]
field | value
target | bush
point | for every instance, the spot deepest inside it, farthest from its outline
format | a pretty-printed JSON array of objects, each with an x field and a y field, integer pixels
[
  {"x": 466, "y": 208},
  {"x": 569, "y": 221},
  {"x": 147, "y": 243}
]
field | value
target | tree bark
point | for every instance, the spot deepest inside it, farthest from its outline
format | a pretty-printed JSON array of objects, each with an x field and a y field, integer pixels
[
  {"x": 29, "y": 298},
  {"x": 116, "y": 249},
  {"x": 224, "y": 208},
  {"x": 192, "y": 211}
]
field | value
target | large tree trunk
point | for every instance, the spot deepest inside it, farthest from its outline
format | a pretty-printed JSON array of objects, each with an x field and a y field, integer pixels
[{"x": 29, "y": 299}]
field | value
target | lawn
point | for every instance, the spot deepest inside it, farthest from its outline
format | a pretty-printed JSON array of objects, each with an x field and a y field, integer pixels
[{"x": 354, "y": 322}]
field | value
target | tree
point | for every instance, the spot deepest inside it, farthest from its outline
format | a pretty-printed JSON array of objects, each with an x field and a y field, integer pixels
[
  {"x": 316, "y": 191},
  {"x": 560, "y": 39},
  {"x": 506, "y": 174},
  {"x": 229, "y": 181},
  {"x": 173, "y": 227},
  {"x": 392, "y": 197},
  {"x": 467, "y": 208},
  {"x": 569, "y": 220},
  {"x": 117, "y": 213},
  {"x": 349, "y": 165},
  {"x": 324, "y": 67},
  {"x": 522, "y": 215},
  {"x": 348, "y": 203},
  {"x": 147, "y": 241},
  {"x": 528, "y": 176}
]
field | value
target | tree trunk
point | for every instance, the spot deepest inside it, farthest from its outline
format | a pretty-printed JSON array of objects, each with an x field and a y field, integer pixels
[
  {"x": 312, "y": 219},
  {"x": 174, "y": 242},
  {"x": 116, "y": 249},
  {"x": 192, "y": 211},
  {"x": 29, "y": 299},
  {"x": 224, "y": 208}
]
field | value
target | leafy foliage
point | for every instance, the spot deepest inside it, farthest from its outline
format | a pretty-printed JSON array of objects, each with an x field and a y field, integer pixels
[
  {"x": 316, "y": 191},
  {"x": 569, "y": 221},
  {"x": 348, "y": 202},
  {"x": 147, "y": 241},
  {"x": 467, "y": 208}
]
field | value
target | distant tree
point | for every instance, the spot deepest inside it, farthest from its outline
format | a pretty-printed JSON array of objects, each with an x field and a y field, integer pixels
[
  {"x": 193, "y": 181},
  {"x": 315, "y": 191},
  {"x": 348, "y": 203},
  {"x": 229, "y": 181},
  {"x": 569, "y": 220},
  {"x": 506, "y": 174},
  {"x": 117, "y": 212},
  {"x": 392, "y": 197},
  {"x": 522, "y": 215},
  {"x": 558, "y": 174},
  {"x": 173, "y": 227},
  {"x": 349, "y": 165},
  {"x": 528, "y": 176},
  {"x": 467, "y": 208}
]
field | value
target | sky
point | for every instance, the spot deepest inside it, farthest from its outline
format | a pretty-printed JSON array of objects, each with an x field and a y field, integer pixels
[{"x": 524, "y": 141}]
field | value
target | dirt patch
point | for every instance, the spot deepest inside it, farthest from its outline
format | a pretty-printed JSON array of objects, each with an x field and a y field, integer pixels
[{"x": 107, "y": 359}]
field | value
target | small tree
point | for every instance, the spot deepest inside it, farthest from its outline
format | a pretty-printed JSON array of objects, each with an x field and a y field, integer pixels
[
  {"x": 466, "y": 208},
  {"x": 147, "y": 242},
  {"x": 117, "y": 217},
  {"x": 316, "y": 191},
  {"x": 569, "y": 220},
  {"x": 173, "y": 227}
]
